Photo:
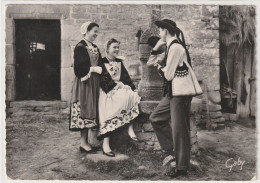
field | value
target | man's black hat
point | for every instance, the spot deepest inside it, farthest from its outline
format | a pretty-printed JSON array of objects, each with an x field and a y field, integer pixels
[{"x": 167, "y": 24}]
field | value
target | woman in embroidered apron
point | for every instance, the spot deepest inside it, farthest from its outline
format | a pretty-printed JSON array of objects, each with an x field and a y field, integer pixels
[
  {"x": 85, "y": 90},
  {"x": 118, "y": 101}
]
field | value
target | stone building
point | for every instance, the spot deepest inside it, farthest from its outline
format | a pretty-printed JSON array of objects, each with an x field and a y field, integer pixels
[{"x": 61, "y": 23}]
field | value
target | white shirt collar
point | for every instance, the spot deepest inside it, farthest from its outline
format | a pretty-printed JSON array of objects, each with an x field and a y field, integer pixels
[{"x": 168, "y": 42}]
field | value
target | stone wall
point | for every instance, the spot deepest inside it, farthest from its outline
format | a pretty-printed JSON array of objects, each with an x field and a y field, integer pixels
[
  {"x": 122, "y": 22},
  {"x": 200, "y": 25},
  {"x": 116, "y": 21}
]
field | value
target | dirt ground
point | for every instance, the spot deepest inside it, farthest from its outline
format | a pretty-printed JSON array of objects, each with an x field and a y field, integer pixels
[{"x": 42, "y": 148}]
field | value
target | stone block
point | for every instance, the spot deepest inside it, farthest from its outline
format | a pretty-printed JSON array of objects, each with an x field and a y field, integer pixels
[
  {"x": 214, "y": 97},
  {"x": 144, "y": 51},
  {"x": 206, "y": 34},
  {"x": 214, "y": 24},
  {"x": 215, "y": 61},
  {"x": 213, "y": 80},
  {"x": 71, "y": 32},
  {"x": 215, "y": 115},
  {"x": 67, "y": 21},
  {"x": 193, "y": 134},
  {"x": 138, "y": 126},
  {"x": 148, "y": 148},
  {"x": 211, "y": 43},
  {"x": 205, "y": 52},
  {"x": 210, "y": 10},
  {"x": 233, "y": 117},
  {"x": 9, "y": 54},
  {"x": 193, "y": 140},
  {"x": 79, "y": 8},
  {"x": 10, "y": 90},
  {"x": 200, "y": 72},
  {"x": 146, "y": 136},
  {"x": 66, "y": 54},
  {"x": 217, "y": 120},
  {"x": 147, "y": 127},
  {"x": 141, "y": 145},
  {"x": 157, "y": 146},
  {"x": 67, "y": 78},
  {"x": 230, "y": 116},
  {"x": 148, "y": 107},
  {"x": 9, "y": 31},
  {"x": 101, "y": 157},
  {"x": 210, "y": 75},
  {"x": 10, "y": 72},
  {"x": 134, "y": 70},
  {"x": 194, "y": 149},
  {"x": 150, "y": 143},
  {"x": 84, "y": 16},
  {"x": 36, "y": 10},
  {"x": 226, "y": 116},
  {"x": 212, "y": 107}
]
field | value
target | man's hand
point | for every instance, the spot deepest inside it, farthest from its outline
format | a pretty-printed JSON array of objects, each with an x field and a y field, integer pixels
[{"x": 159, "y": 66}]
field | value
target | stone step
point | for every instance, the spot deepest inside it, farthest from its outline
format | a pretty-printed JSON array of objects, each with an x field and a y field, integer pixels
[
  {"x": 35, "y": 103},
  {"x": 212, "y": 107},
  {"x": 37, "y": 108},
  {"x": 101, "y": 157},
  {"x": 20, "y": 113},
  {"x": 217, "y": 120}
]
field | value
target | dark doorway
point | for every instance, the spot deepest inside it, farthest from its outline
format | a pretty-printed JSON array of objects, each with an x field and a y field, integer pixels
[
  {"x": 238, "y": 60},
  {"x": 38, "y": 56}
]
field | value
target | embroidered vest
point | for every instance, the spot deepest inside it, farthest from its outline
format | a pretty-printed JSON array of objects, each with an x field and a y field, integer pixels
[{"x": 181, "y": 71}]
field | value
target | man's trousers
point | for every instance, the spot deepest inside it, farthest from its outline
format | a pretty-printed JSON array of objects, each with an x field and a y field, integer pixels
[{"x": 171, "y": 123}]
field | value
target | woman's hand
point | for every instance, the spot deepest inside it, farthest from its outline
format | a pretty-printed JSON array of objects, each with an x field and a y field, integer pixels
[
  {"x": 126, "y": 87},
  {"x": 159, "y": 44},
  {"x": 96, "y": 69},
  {"x": 119, "y": 85},
  {"x": 86, "y": 77}
]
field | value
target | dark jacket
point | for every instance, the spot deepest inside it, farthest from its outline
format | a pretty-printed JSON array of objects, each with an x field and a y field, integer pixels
[
  {"x": 82, "y": 60},
  {"x": 106, "y": 81}
]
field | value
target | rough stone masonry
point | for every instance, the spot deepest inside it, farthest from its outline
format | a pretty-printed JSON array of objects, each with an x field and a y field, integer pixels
[{"x": 199, "y": 23}]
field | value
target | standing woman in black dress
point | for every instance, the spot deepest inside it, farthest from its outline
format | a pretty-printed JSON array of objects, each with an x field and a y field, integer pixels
[{"x": 85, "y": 90}]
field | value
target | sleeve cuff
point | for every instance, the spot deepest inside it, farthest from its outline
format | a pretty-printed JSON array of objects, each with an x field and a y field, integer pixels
[{"x": 153, "y": 52}]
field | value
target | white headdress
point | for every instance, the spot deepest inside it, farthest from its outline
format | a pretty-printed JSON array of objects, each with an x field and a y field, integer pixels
[
  {"x": 105, "y": 46},
  {"x": 84, "y": 27}
]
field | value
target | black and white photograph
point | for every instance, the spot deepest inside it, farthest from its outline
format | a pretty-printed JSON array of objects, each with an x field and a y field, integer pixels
[{"x": 129, "y": 91}]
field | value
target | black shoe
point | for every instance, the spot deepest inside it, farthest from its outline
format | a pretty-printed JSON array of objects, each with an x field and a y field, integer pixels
[
  {"x": 179, "y": 173},
  {"x": 110, "y": 154},
  {"x": 85, "y": 151}
]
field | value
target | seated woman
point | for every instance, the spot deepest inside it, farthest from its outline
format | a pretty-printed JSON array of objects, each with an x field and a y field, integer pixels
[{"x": 118, "y": 100}]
